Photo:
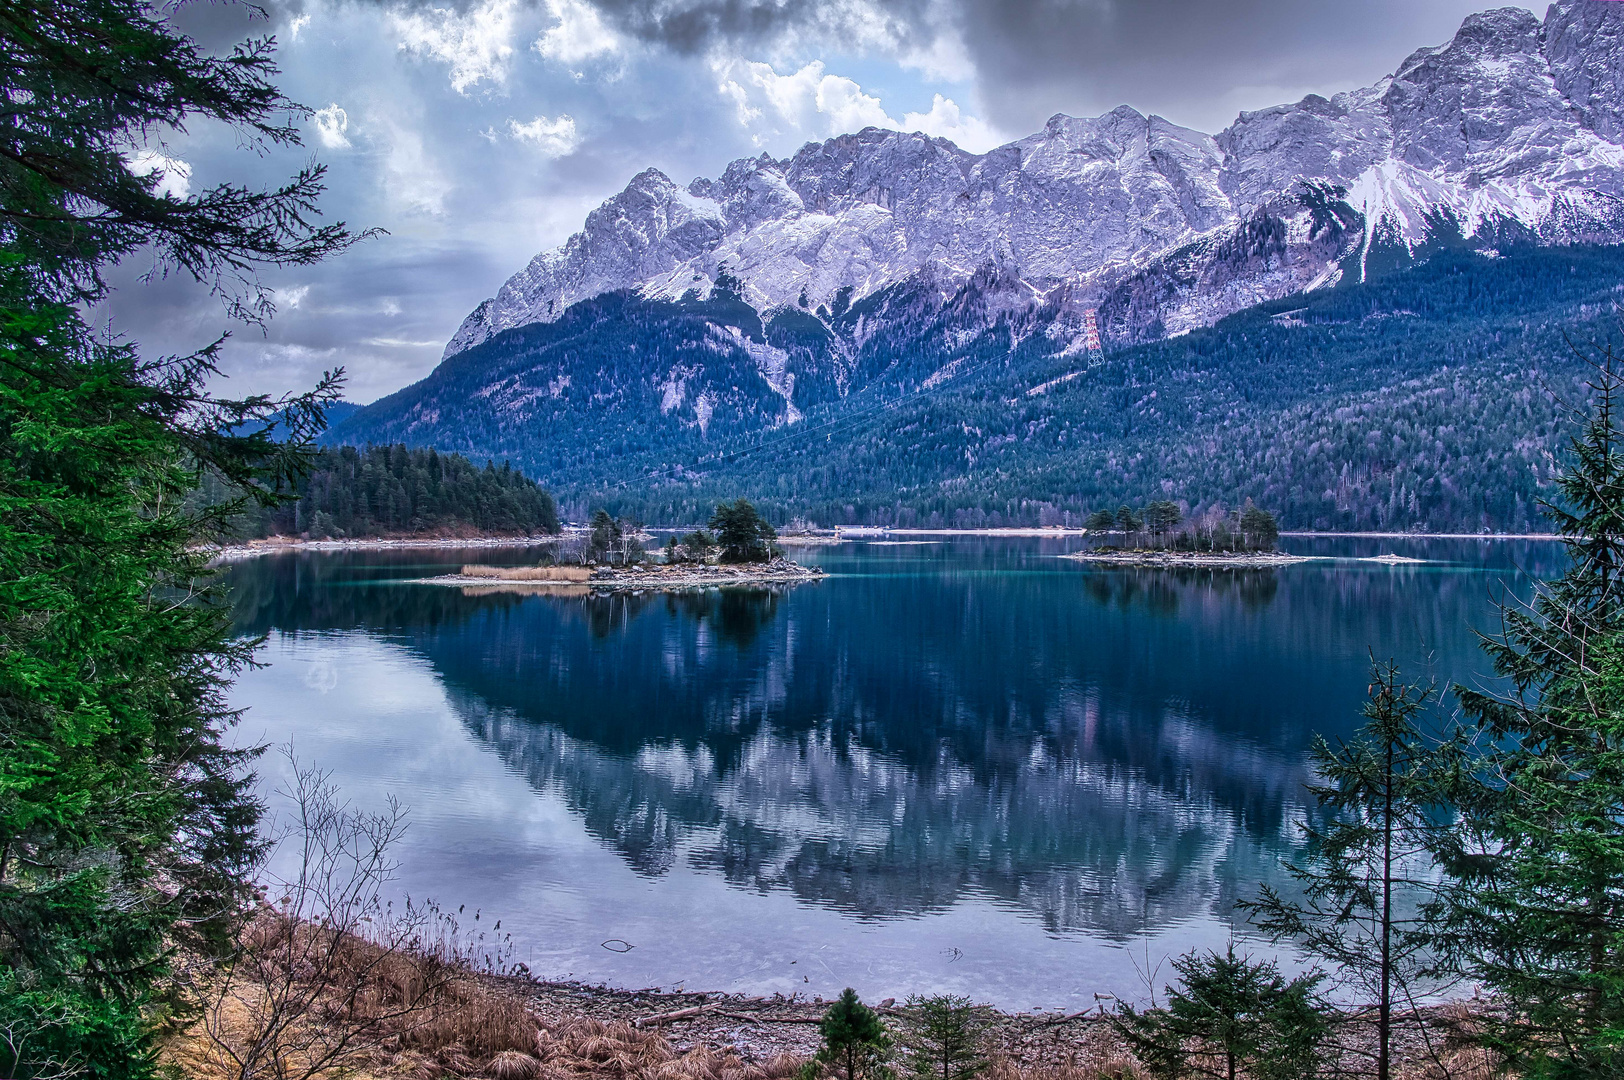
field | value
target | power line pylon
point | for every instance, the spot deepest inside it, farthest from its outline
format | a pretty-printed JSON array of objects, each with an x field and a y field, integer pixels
[{"x": 1091, "y": 338}]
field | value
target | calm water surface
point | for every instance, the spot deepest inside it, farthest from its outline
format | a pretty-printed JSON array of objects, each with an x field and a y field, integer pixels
[{"x": 963, "y": 766}]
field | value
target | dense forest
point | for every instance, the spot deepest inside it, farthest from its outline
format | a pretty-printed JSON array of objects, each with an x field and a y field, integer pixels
[
  {"x": 1428, "y": 399},
  {"x": 394, "y": 491}
]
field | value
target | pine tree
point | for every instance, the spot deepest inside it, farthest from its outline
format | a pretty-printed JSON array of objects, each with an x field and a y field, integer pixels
[
  {"x": 1367, "y": 876},
  {"x": 1241, "y": 1013},
  {"x": 942, "y": 1037},
  {"x": 745, "y": 536},
  {"x": 126, "y": 823},
  {"x": 1538, "y": 912},
  {"x": 854, "y": 1039}
]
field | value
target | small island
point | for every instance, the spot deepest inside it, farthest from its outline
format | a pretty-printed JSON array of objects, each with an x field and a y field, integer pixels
[
  {"x": 742, "y": 550},
  {"x": 1160, "y": 536},
  {"x": 777, "y": 570}
]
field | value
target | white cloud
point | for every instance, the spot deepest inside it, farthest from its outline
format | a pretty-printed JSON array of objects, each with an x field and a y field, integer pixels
[
  {"x": 807, "y": 102},
  {"x": 555, "y": 138},
  {"x": 946, "y": 120},
  {"x": 295, "y": 25},
  {"x": 579, "y": 35},
  {"x": 174, "y": 175},
  {"x": 476, "y": 46},
  {"x": 412, "y": 180},
  {"x": 292, "y": 296},
  {"x": 402, "y": 343},
  {"x": 331, "y": 125},
  {"x": 811, "y": 103}
]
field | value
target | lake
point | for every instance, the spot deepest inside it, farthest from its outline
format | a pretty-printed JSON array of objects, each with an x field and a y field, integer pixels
[{"x": 962, "y": 766}]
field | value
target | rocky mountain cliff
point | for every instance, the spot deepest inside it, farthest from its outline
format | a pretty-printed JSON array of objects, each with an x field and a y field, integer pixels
[{"x": 1512, "y": 130}]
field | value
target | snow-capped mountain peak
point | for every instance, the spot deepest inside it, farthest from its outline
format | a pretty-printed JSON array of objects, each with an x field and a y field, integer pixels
[{"x": 1514, "y": 129}]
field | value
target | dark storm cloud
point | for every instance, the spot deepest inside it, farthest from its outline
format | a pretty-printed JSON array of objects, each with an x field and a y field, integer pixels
[
  {"x": 699, "y": 25},
  {"x": 1189, "y": 59},
  {"x": 1186, "y": 58}
]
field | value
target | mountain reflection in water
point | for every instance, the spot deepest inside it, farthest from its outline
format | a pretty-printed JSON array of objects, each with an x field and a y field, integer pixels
[{"x": 1108, "y": 752}]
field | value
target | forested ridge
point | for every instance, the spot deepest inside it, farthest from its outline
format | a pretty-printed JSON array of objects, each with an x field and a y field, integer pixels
[
  {"x": 385, "y": 491},
  {"x": 1426, "y": 399}
]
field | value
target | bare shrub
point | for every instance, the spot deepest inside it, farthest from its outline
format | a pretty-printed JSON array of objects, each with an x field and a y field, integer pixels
[{"x": 328, "y": 973}]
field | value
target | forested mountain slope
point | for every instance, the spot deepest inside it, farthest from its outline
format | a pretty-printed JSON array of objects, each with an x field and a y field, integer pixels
[{"x": 1421, "y": 399}]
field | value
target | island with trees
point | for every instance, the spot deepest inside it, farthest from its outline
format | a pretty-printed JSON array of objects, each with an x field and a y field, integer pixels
[
  {"x": 737, "y": 547},
  {"x": 1160, "y": 535}
]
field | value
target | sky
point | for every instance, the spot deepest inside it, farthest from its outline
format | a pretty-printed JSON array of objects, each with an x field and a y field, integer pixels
[{"x": 477, "y": 133}]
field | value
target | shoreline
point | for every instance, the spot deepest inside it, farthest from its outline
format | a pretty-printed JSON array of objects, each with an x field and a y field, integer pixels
[
  {"x": 251, "y": 549},
  {"x": 1420, "y": 536},
  {"x": 1163, "y": 560},
  {"x": 1049, "y": 1044}
]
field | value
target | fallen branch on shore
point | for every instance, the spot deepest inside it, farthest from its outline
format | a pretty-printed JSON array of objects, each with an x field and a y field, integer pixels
[{"x": 679, "y": 1014}]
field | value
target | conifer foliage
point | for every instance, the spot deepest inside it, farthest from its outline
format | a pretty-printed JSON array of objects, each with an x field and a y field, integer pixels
[
  {"x": 1538, "y": 912},
  {"x": 855, "y": 1041},
  {"x": 393, "y": 491},
  {"x": 1229, "y": 1016},
  {"x": 745, "y": 536},
  {"x": 126, "y": 827},
  {"x": 1369, "y": 889},
  {"x": 942, "y": 1037}
]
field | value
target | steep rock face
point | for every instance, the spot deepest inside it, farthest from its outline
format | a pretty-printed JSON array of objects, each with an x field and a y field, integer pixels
[
  {"x": 641, "y": 232},
  {"x": 1583, "y": 43},
  {"x": 1511, "y": 129},
  {"x": 863, "y": 211}
]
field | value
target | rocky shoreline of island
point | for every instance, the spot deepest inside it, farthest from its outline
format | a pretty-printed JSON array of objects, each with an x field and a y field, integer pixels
[
  {"x": 639, "y": 576},
  {"x": 1165, "y": 559}
]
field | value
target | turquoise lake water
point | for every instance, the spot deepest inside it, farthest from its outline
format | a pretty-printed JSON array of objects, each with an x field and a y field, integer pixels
[{"x": 964, "y": 765}]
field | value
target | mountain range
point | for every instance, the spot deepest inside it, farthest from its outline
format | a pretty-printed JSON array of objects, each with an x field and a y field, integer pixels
[{"x": 802, "y": 314}]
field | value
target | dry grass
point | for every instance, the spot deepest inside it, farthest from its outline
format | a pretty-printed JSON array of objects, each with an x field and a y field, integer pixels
[
  {"x": 1454, "y": 1050},
  {"x": 527, "y": 573},
  {"x": 413, "y": 1014},
  {"x": 475, "y": 1027},
  {"x": 1112, "y": 1068}
]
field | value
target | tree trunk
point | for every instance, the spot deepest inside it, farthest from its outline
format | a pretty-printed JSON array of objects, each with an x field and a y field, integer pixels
[{"x": 1384, "y": 1023}]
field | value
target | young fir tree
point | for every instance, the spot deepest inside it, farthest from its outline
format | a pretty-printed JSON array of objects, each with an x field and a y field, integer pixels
[
  {"x": 1368, "y": 880},
  {"x": 1229, "y": 1016},
  {"x": 854, "y": 1039},
  {"x": 942, "y": 1038},
  {"x": 126, "y": 825},
  {"x": 1537, "y": 914}
]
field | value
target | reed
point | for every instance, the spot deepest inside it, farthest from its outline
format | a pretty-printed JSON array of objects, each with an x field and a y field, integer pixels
[{"x": 527, "y": 573}]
